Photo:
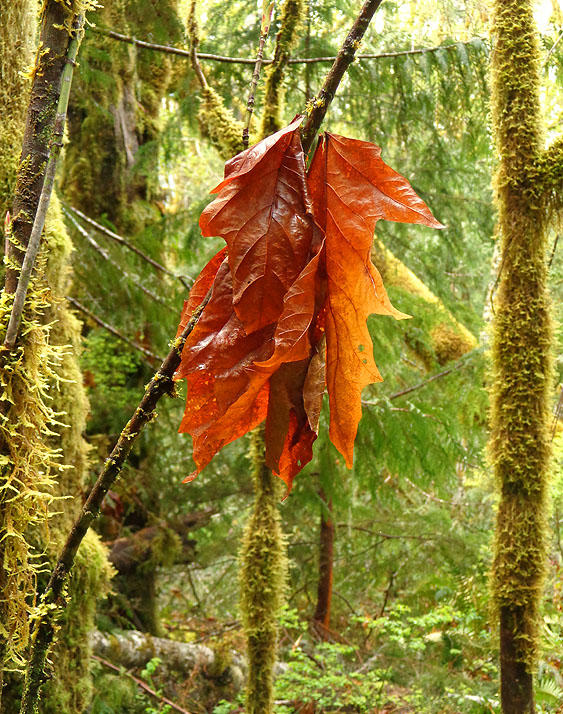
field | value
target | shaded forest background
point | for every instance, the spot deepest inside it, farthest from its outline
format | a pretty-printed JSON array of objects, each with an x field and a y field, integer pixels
[{"x": 408, "y": 531}]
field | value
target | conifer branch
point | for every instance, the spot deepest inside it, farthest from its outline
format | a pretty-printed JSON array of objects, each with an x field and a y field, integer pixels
[
  {"x": 264, "y": 31},
  {"x": 107, "y": 257},
  {"x": 151, "y": 356},
  {"x": 32, "y": 248},
  {"x": 186, "y": 282}
]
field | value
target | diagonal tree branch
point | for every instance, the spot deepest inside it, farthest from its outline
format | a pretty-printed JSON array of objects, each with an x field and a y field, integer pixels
[
  {"x": 151, "y": 356},
  {"x": 106, "y": 256},
  {"x": 320, "y": 104},
  {"x": 186, "y": 282},
  {"x": 53, "y": 601}
]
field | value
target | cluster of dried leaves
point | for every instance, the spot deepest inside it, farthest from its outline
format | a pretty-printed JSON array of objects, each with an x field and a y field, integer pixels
[{"x": 290, "y": 295}]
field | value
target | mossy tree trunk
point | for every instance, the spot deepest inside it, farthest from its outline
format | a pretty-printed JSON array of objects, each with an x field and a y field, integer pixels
[
  {"x": 526, "y": 184},
  {"x": 45, "y": 355},
  {"x": 262, "y": 578}
]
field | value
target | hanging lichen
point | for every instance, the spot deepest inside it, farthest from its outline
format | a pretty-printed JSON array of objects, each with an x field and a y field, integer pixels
[
  {"x": 290, "y": 21},
  {"x": 262, "y": 579},
  {"x": 216, "y": 122}
]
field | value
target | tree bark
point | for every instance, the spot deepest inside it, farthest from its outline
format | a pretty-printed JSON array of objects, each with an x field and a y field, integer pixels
[
  {"x": 326, "y": 556},
  {"x": 521, "y": 348},
  {"x": 40, "y": 120}
]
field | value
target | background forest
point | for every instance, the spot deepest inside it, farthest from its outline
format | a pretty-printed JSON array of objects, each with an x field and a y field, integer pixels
[{"x": 387, "y": 600}]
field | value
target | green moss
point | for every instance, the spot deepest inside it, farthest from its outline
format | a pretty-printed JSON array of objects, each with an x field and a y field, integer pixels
[
  {"x": 443, "y": 338},
  {"x": 262, "y": 582},
  {"x": 15, "y": 37},
  {"x": 218, "y": 124},
  {"x": 521, "y": 350},
  {"x": 291, "y": 18}
]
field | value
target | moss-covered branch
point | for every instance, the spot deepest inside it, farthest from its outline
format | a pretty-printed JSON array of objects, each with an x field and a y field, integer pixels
[
  {"x": 55, "y": 146},
  {"x": 54, "y": 599},
  {"x": 215, "y": 120},
  {"x": 291, "y": 18}
]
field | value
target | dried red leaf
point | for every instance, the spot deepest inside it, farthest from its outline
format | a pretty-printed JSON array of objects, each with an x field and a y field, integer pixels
[
  {"x": 288, "y": 435},
  {"x": 262, "y": 212},
  {"x": 226, "y": 394},
  {"x": 200, "y": 289},
  {"x": 351, "y": 189}
]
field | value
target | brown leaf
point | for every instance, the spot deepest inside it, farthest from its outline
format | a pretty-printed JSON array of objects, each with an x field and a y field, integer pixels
[
  {"x": 200, "y": 289},
  {"x": 289, "y": 437},
  {"x": 351, "y": 189},
  {"x": 263, "y": 214},
  {"x": 226, "y": 394}
]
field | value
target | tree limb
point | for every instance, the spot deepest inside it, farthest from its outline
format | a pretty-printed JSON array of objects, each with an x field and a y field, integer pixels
[
  {"x": 186, "y": 282},
  {"x": 320, "y": 104},
  {"x": 106, "y": 256},
  {"x": 151, "y": 356},
  {"x": 32, "y": 248},
  {"x": 180, "y": 52}
]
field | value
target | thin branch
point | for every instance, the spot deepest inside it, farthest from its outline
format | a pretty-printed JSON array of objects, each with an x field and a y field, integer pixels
[
  {"x": 552, "y": 256},
  {"x": 264, "y": 31},
  {"x": 106, "y": 256},
  {"x": 151, "y": 356},
  {"x": 139, "y": 683},
  {"x": 168, "y": 49},
  {"x": 320, "y": 104},
  {"x": 47, "y": 189},
  {"x": 461, "y": 363},
  {"x": 552, "y": 48},
  {"x": 127, "y": 244},
  {"x": 53, "y": 601}
]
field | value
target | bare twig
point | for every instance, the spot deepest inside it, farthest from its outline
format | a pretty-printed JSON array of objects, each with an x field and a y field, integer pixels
[
  {"x": 264, "y": 31},
  {"x": 47, "y": 189},
  {"x": 151, "y": 356},
  {"x": 461, "y": 363},
  {"x": 552, "y": 256},
  {"x": 139, "y": 683},
  {"x": 106, "y": 256},
  {"x": 127, "y": 244},
  {"x": 320, "y": 104},
  {"x": 181, "y": 52}
]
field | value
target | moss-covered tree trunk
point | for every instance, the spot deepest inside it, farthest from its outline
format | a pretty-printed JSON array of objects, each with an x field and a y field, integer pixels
[
  {"x": 262, "y": 578},
  {"x": 526, "y": 185},
  {"x": 47, "y": 353}
]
